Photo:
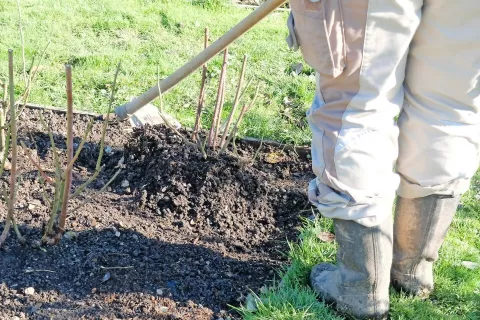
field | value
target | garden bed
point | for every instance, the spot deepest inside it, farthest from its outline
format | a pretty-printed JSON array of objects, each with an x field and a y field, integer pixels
[{"x": 176, "y": 236}]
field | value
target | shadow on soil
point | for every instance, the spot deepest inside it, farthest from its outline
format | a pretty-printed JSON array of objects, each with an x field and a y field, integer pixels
[{"x": 122, "y": 274}]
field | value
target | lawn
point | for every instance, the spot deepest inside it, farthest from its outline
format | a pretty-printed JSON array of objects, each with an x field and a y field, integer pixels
[{"x": 161, "y": 35}]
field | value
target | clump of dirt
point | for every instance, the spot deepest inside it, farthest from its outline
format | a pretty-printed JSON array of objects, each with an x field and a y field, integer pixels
[{"x": 176, "y": 236}]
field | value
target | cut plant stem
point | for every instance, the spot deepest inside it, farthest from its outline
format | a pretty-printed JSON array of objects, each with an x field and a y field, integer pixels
[
  {"x": 235, "y": 103},
  {"x": 220, "y": 92},
  {"x": 244, "y": 110},
  {"x": 58, "y": 181},
  {"x": 13, "y": 170},
  {"x": 68, "y": 170},
  {"x": 201, "y": 98},
  {"x": 220, "y": 110}
]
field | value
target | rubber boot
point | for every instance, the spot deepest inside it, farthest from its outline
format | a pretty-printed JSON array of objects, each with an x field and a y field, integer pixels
[
  {"x": 419, "y": 231},
  {"x": 359, "y": 284}
]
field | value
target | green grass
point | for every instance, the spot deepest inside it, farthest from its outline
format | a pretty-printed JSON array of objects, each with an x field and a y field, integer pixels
[
  {"x": 457, "y": 292},
  {"x": 94, "y": 35}
]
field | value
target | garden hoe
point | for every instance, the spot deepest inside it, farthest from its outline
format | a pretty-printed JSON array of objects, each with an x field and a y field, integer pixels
[{"x": 139, "y": 110}]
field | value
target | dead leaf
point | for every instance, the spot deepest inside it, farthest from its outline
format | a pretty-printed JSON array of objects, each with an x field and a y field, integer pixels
[
  {"x": 326, "y": 236},
  {"x": 274, "y": 157}
]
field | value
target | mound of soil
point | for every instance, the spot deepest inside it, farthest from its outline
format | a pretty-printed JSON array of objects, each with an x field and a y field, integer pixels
[
  {"x": 176, "y": 236},
  {"x": 247, "y": 203}
]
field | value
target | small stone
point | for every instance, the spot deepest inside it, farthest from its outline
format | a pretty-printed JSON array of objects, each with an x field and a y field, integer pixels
[
  {"x": 70, "y": 235},
  {"x": 192, "y": 222},
  {"x": 128, "y": 190},
  {"x": 31, "y": 207},
  {"x": 106, "y": 277},
  {"x": 163, "y": 309},
  {"x": 135, "y": 237},
  {"x": 29, "y": 291},
  {"x": 125, "y": 184},
  {"x": 159, "y": 292},
  {"x": 15, "y": 318},
  {"x": 117, "y": 234}
]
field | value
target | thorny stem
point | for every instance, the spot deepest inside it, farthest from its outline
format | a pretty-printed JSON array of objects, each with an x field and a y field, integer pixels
[
  {"x": 222, "y": 102},
  {"x": 68, "y": 170},
  {"x": 220, "y": 109},
  {"x": 58, "y": 180},
  {"x": 244, "y": 110},
  {"x": 13, "y": 170},
  {"x": 213, "y": 130},
  {"x": 201, "y": 98},
  {"x": 235, "y": 103}
]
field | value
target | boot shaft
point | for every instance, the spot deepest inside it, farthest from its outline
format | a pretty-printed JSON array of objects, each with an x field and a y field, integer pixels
[{"x": 420, "y": 228}]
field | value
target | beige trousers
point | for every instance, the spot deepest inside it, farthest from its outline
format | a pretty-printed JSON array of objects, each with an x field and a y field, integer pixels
[{"x": 376, "y": 60}]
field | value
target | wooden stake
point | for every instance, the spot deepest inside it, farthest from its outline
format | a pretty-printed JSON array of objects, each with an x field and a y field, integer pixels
[
  {"x": 211, "y": 136},
  {"x": 201, "y": 98},
  {"x": 235, "y": 103}
]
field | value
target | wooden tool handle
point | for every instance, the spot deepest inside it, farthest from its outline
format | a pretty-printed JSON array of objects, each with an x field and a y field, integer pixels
[{"x": 124, "y": 111}]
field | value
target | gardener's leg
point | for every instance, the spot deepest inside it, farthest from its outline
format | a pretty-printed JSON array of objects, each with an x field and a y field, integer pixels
[
  {"x": 439, "y": 136},
  {"x": 359, "y": 49}
]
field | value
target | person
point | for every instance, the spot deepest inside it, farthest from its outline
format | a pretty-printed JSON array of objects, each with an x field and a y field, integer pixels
[{"x": 396, "y": 111}]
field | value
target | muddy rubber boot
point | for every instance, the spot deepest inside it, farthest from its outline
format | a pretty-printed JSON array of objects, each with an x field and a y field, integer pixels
[
  {"x": 419, "y": 231},
  {"x": 358, "y": 285}
]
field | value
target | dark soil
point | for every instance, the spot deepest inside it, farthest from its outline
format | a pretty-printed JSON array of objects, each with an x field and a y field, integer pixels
[{"x": 175, "y": 236}]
